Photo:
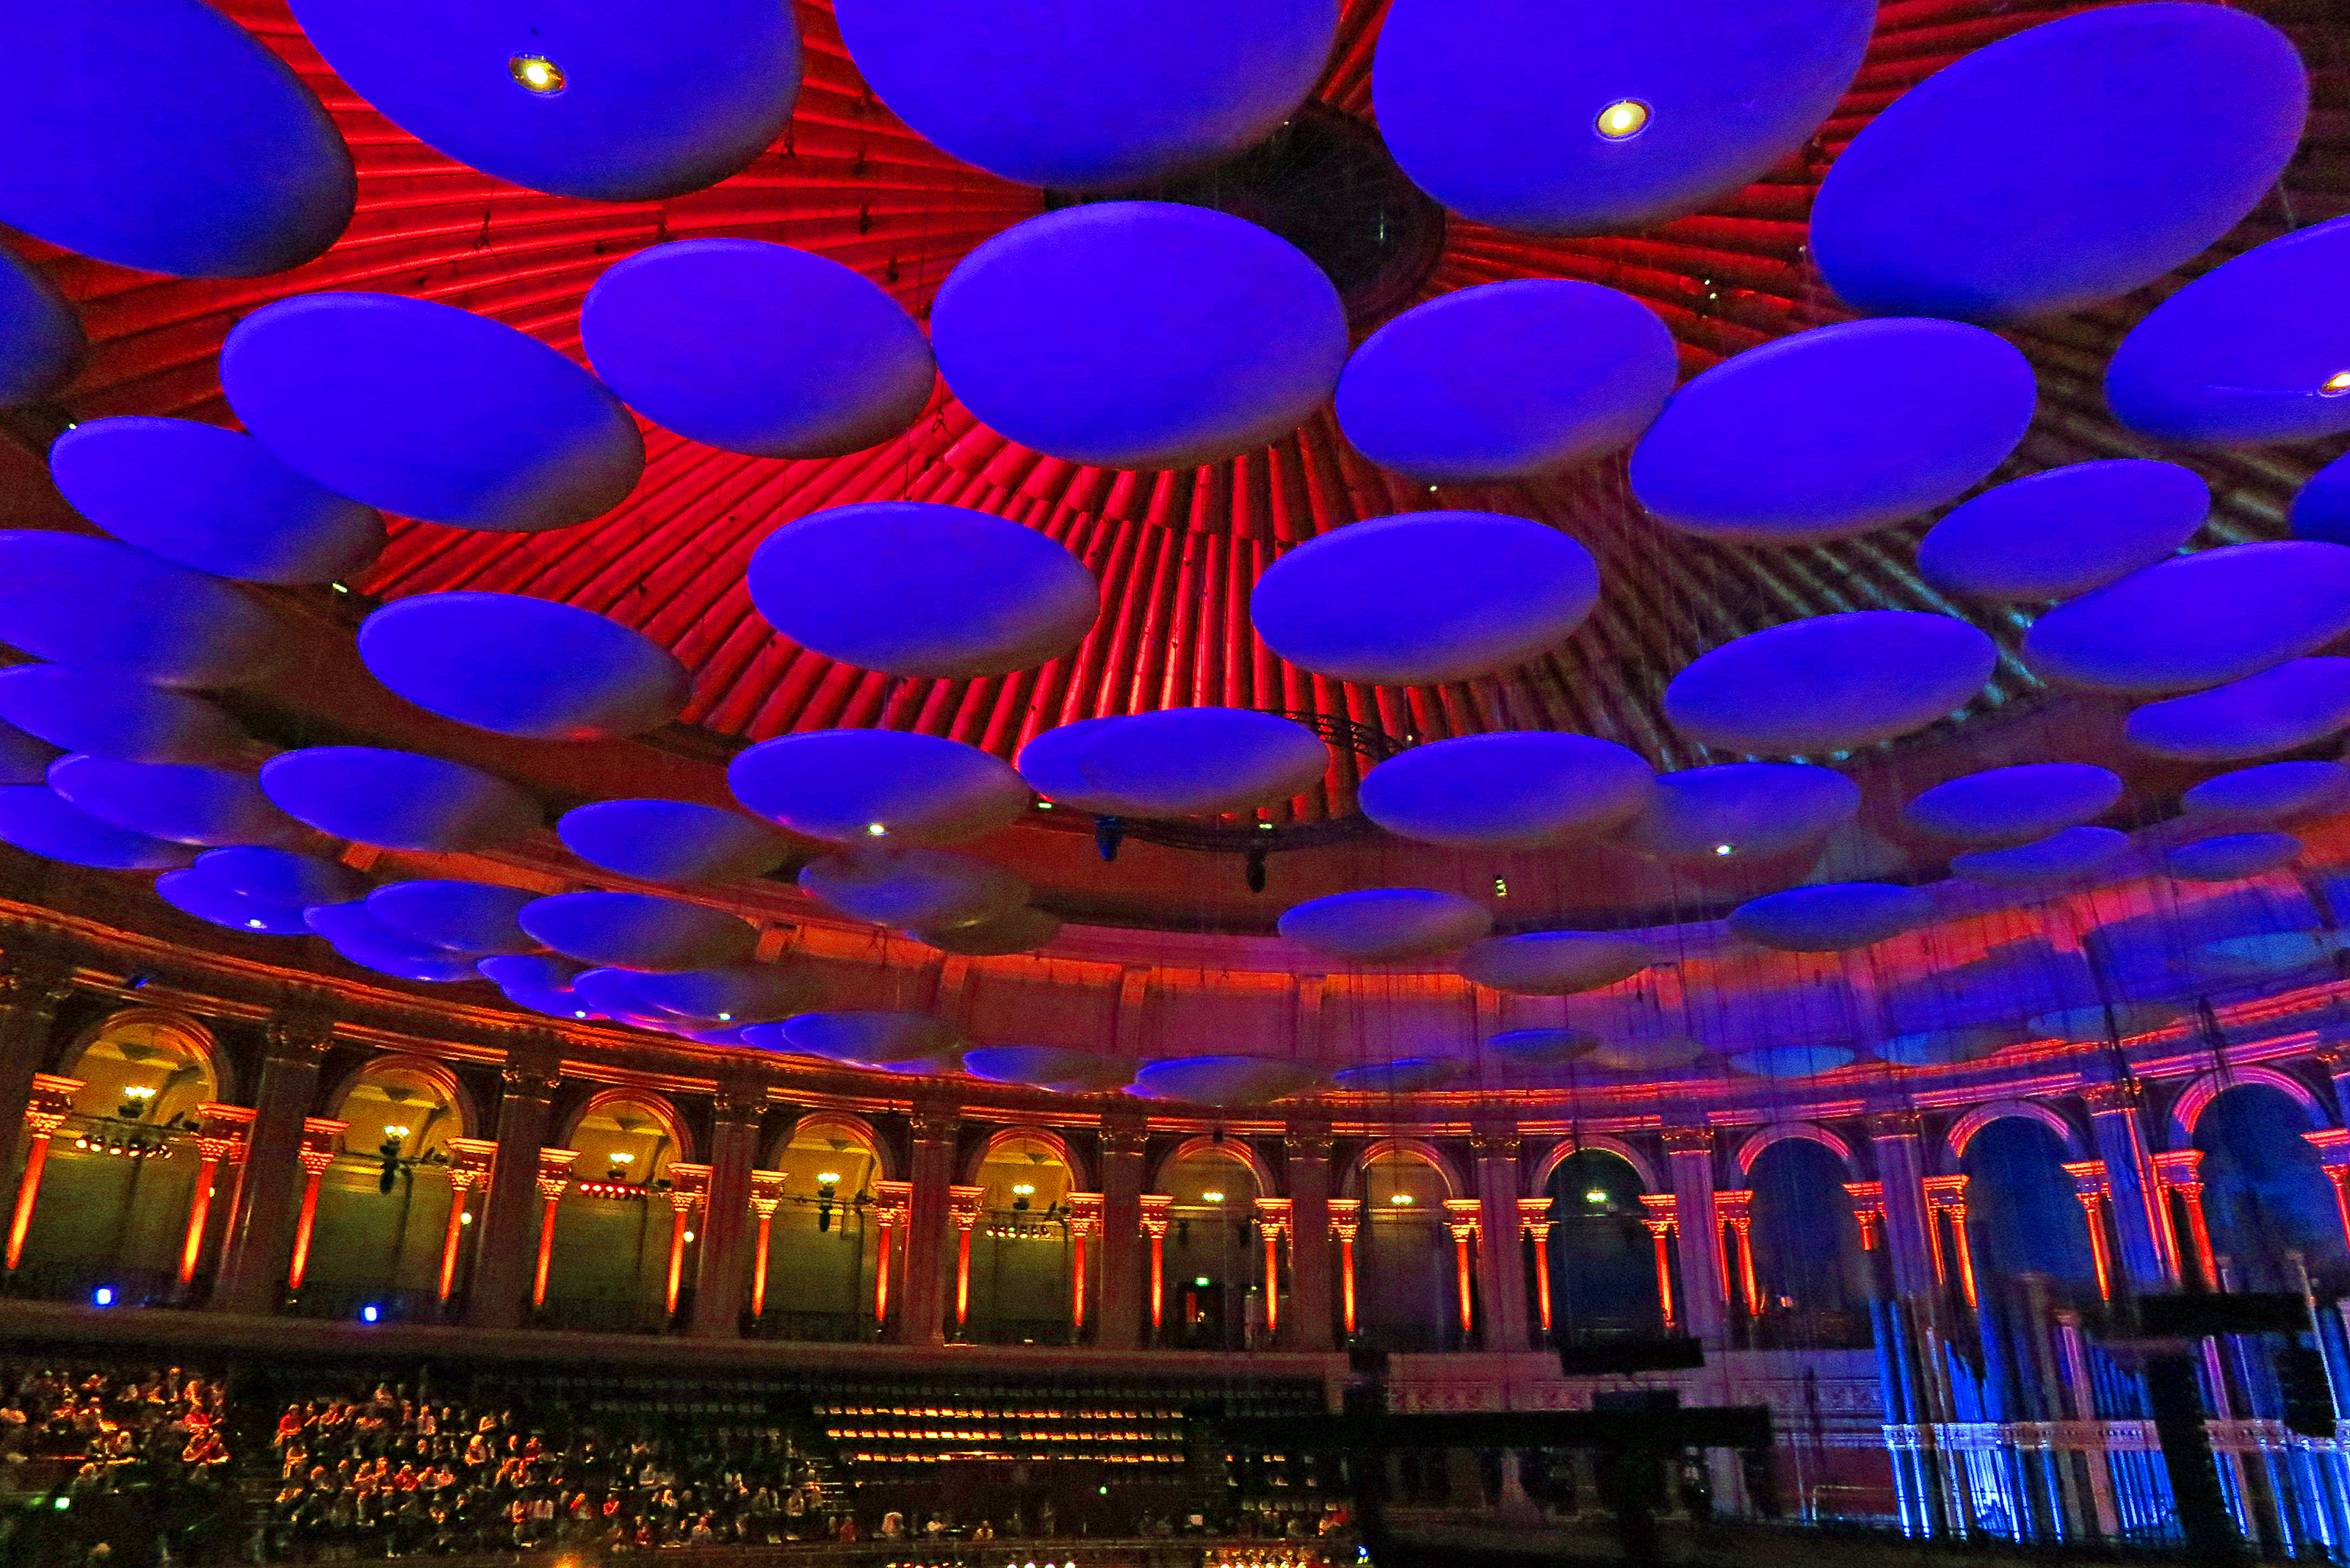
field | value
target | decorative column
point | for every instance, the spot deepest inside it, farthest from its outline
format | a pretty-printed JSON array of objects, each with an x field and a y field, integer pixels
[
  {"x": 1309, "y": 1152},
  {"x": 1736, "y": 1209},
  {"x": 34, "y": 982},
  {"x": 1272, "y": 1221},
  {"x": 1346, "y": 1222},
  {"x": 2333, "y": 1150},
  {"x": 511, "y": 1224},
  {"x": 1154, "y": 1206},
  {"x": 1461, "y": 1219},
  {"x": 889, "y": 1206},
  {"x": 1704, "y": 1293},
  {"x": 688, "y": 1191},
  {"x": 1894, "y": 1140},
  {"x": 1085, "y": 1225},
  {"x": 964, "y": 1203},
  {"x": 2176, "y": 1169},
  {"x": 2089, "y": 1186},
  {"x": 1946, "y": 1196},
  {"x": 318, "y": 1152},
  {"x": 767, "y": 1194},
  {"x": 922, "y": 1320},
  {"x": 720, "y": 1280},
  {"x": 473, "y": 1158},
  {"x": 1534, "y": 1219},
  {"x": 1868, "y": 1210},
  {"x": 1661, "y": 1206},
  {"x": 219, "y": 1136},
  {"x": 258, "y": 1252},
  {"x": 1120, "y": 1325},
  {"x": 1503, "y": 1259},
  {"x": 50, "y": 1104},
  {"x": 2146, "y": 1257},
  {"x": 551, "y": 1173}
]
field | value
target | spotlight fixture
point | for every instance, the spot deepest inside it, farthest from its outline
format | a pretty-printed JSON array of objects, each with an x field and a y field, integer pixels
[
  {"x": 1595, "y": 1195},
  {"x": 875, "y": 830},
  {"x": 2334, "y": 385},
  {"x": 1622, "y": 120},
  {"x": 536, "y": 74},
  {"x": 1211, "y": 1198},
  {"x": 1721, "y": 850},
  {"x": 1401, "y": 1199}
]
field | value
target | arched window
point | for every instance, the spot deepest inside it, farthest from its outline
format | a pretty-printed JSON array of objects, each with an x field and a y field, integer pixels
[
  {"x": 1406, "y": 1285},
  {"x": 1601, "y": 1256},
  {"x": 2265, "y": 1193},
  {"x": 1214, "y": 1268},
  {"x": 384, "y": 1203},
  {"x": 1807, "y": 1259},
  {"x": 823, "y": 1245},
  {"x": 1022, "y": 1248},
  {"x": 614, "y": 1226},
  {"x": 2021, "y": 1215}
]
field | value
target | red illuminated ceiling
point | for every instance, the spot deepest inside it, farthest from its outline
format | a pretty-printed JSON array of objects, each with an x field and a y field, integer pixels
[{"x": 1175, "y": 552}]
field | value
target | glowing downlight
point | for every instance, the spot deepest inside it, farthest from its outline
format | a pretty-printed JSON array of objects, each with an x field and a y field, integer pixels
[
  {"x": 536, "y": 74},
  {"x": 1622, "y": 120}
]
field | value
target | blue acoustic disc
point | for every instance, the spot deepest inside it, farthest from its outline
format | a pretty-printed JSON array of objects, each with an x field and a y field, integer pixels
[
  {"x": 610, "y": 100},
  {"x": 2197, "y": 621},
  {"x": 1830, "y": 683},
  {"x": 431, "y": 411},
  {"x": 671, "y": 840},
  {"x": 877, "y": 787},
  {"x": 37, "y": 819},
  {"x": 1828, "y": 917},
  {"x": 2060, "y": 533},
  {"x": 1835, "y": 430},
  {"x": 2283, "y": 707},
  {"x": 520, "y": 666},
  {"x": 186, "y": 803},
  {"x": 160, "y": 135},
  {"x": 2062, "y": 167},
  {"x": 110, "y": 716},
  {"x": 103, "y": 606},
  {"x": 1139, "y": 334},
  {"x": 42, "y": 344},
  {"x": 212, "y": 499},
  {"x": 398, "y": 800},
  {"x": 1580, "y": 117}
]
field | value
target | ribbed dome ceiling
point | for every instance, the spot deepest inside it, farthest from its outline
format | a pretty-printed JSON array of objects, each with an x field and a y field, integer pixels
[{"x": 1175, "y": 552}]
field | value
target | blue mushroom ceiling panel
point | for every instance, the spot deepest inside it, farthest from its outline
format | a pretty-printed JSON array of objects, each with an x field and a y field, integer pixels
[
  {"x": 2282, "y": 708},
  {"x": 930, "y": 889},
  {"x": 1656, "y": 1053},
  {"x": 757, "y": 349},
  {"x": 638, "y": 931},
  {"x": 2257, "y": 349},
  {"x": 1835, "y": 430},
  {"x": 158, "y": 134},
  {"x": 2063, "y": 530},
  {"x": 1555, "y": 963},
  {"x": 212, "y": 499},
  {"x": 2271, "y": 794},
  {"x": 1059, "y": 1068},
  {"x": 1542, "y": 1048},
  {"x": 2197, "y": 621},
  {"x": 1510, "y": 789},
  {"x": 1831, "y": 684},
  {"x": 42, "y": 344},
  {"x": 2230, "y": 856},
  {"x": 184, "y": 802},
  {"x": 1941, "y": 1047},
  {"x": 191, "y": 891},
  {"x": 398, "y": 800},
  {"x": 2103, "y": 1022},
  {"x": 1376, "y": 924},
  {"x": 913, "y": 589},
  {"x": 1223, "y": 1080},
  {"x": 1404, "y": 1075},
  {"x": 609, "y": 100},
  {"x": 874, "y": 1036},
  {"x": 37, "y": 819},
  {"x": 1507, "y": 380},
  {"x": 431, "y": 411},
  {"x": 1090, "y": 94},
  {"x": 1733, "y": 810},
  {"x": 1829, "y": 916},
  {"x": 1049, "y": 765},
  {"x": 1575, "y": 117},
  {"x": 730, "y": 993},
  {"x": 2063, "y": 166},
  {"x": 1139, "y": 334},
  {"x": 861, "y": 786},
  {"x": 109, "y": 608},
  {"x": 1424, "y": 598},
  {"x": 2321, "y": 508},
  {"x": 521, "y": 665},
  {"x": 1792, "y": 1061},
  {"x": 24, "y": 758},
  {"x": 2014, "y": 804},
  {"x": 1200, "y": 762},
  {"x": 110, "y": 716},
  {"x": 1025, "y": 931},
  {"x": 678, "y": 841},
  {"x": 476, "y": 918},
  {"x": 528, "y": 972},
  {"x": 2069, "y": 853},
  {"x": 269, "y": 875}
]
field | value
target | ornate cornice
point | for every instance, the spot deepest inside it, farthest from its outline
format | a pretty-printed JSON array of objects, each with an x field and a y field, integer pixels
[
  {"x": 1687, "y": 1140},
  {"x": 1901, "y": 1123},
  {"x": 2107, "y": 1099}
]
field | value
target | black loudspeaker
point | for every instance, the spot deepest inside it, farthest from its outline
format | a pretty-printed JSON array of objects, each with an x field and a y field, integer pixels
[
  {"x": 1621, "y": 1358},
  {"x": 2191, "y": 1316},
  {"x": 2308, "y": 1397}
]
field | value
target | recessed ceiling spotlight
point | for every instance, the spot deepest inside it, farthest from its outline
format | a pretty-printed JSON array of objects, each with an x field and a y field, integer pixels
[
  {"x": 875, "y": 829},
  {"x": 1721, "y": 850},
  {"x": 537, "y": 73},
  {"x": 2334, "y": 385},
  {"x": 1622, "y": 120}
]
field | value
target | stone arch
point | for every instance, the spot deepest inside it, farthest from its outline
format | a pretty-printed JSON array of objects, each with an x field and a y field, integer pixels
[
  {"x": 1780, "y": 1132},
  {"x": 1539, "y": 1184},
  {"x": 853, "y": 1128},
  {"x": 1002, "y": 1136},
  {"x": 1240, "y": 1151},
  {"x": 663, "y": 1110},
  {"x": 1962, "y": 1131},
  {"x": 1417, "y": 1149},
  {"x": 2197, "y": 1096}
]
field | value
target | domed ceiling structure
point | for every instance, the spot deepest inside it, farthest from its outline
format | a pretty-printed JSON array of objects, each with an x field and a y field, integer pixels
[{"x": 1177, "y": 550}]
